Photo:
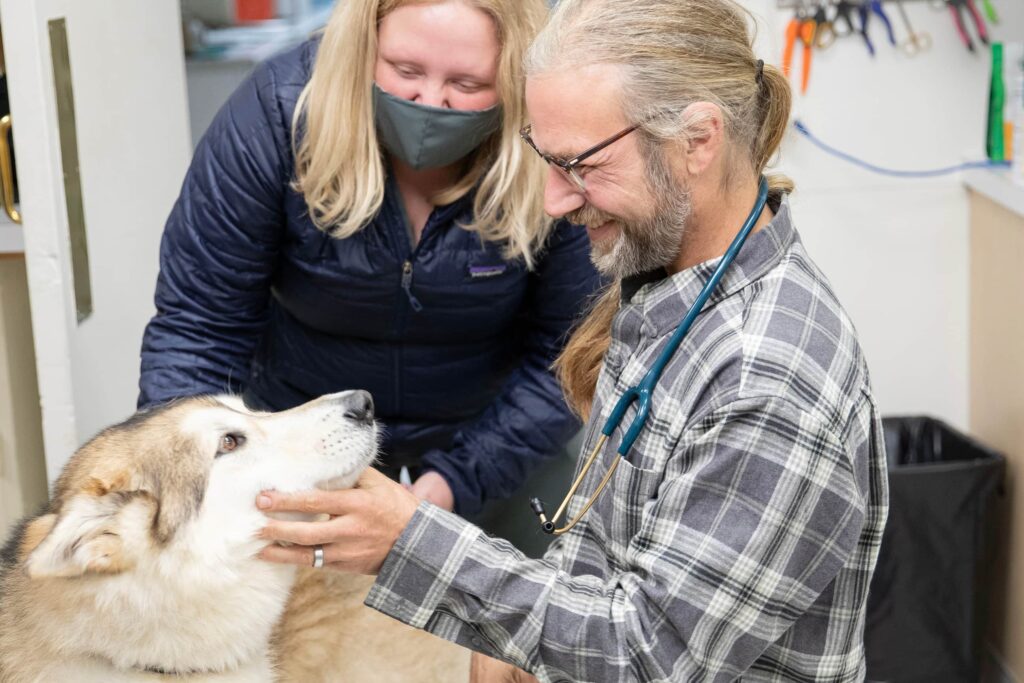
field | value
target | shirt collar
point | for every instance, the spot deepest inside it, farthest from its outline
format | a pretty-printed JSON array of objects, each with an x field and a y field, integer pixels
[
  {"x": 632, "y": 284},
  {"x": 660, "y": 298}
]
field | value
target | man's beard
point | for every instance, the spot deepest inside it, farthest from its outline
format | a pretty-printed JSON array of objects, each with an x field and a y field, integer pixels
[{"x": 647, "y": 243}]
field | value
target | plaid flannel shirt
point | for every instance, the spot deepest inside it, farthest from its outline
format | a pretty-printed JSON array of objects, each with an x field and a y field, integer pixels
[{"x": 738, "y": 539}]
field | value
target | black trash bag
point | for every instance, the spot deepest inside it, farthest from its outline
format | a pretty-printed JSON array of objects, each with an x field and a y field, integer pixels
[{"x": 928, "y": 603}]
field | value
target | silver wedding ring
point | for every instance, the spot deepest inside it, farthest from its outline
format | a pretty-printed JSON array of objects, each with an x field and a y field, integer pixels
[{"x": 318, "y": 557}]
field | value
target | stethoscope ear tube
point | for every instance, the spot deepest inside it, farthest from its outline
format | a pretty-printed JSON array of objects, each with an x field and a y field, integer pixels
[
  {"x": 643, "y": 391},
  {"x": 537, "y": 505},
  {"x": 548, "y": 525}
]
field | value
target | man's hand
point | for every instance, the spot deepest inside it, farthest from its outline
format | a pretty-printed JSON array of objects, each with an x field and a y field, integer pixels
[
  {"x": 364, "y": 524},
  {"x": 433, "y": 488},
  {"x": 485, "y": 669}
]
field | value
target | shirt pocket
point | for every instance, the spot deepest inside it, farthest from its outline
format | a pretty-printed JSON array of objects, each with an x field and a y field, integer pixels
[{"x": 623, "y": 503}]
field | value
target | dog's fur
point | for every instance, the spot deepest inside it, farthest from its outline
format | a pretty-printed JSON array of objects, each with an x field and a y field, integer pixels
[{"x": 143, "y": 566}]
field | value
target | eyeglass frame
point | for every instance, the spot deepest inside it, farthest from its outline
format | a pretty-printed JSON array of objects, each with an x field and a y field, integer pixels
[{"x": 569, "y": 167}]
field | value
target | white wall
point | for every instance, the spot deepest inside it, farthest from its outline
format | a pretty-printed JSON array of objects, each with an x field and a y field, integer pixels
[{"x": 895, "y": 250}]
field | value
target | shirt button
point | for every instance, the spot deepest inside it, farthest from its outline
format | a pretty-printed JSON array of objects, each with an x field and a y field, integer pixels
[{"x": 476, "y": 642}]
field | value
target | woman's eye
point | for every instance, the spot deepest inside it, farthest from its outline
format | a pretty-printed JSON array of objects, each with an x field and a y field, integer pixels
[
  {"x": 230, "y": 442},
  {"x": 468, "y": 87}
]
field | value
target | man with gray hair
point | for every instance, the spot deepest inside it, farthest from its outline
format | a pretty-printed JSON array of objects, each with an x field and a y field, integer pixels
[{"x": 737, "y": 537}]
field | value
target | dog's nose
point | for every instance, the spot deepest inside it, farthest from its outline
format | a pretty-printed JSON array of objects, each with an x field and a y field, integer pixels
[{"x": 358, "y": 406}]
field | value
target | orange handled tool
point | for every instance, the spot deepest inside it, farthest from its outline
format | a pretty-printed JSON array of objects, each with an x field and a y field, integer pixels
[
  {"x": 792, "y": 31},
  {"x": 808, "y": 29},
  {"x": 805, "y": 29}
]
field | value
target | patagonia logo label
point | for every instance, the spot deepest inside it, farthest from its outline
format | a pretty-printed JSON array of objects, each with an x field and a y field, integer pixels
[{"x": 487, "y": 271}]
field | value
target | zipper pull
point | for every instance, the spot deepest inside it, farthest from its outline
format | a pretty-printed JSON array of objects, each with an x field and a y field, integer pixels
[{"x": 407, "y": 286}]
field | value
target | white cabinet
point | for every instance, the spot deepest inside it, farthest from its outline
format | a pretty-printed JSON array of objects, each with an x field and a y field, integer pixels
[
  {"x": 997, "y": 385},
  {"x": 100, "y": 125}
]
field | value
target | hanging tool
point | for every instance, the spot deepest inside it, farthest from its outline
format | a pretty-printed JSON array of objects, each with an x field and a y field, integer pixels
[
  {"x": 867, "y": 8},
  {"x": 916, "y": 43},
  {"x": 825, "y": 32},
  {"x": 956, "y": 8},
  {"x": 802, "y": 27},
  {"x": 990, "y": 11},
  {"x": 807, "y": 33},
  {"x": 789, "y": 40},
  {"x": 844, "y": 10}
]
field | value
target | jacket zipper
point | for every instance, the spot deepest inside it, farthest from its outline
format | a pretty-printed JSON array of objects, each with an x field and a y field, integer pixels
[{"x": 407, "y": 286}]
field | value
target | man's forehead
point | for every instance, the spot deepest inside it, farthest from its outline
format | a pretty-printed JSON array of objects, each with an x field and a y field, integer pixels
[{"x": 572, "y": 109}]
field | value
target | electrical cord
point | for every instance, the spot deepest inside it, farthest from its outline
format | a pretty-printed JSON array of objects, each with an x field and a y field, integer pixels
[{"x": 928, "y": 173}]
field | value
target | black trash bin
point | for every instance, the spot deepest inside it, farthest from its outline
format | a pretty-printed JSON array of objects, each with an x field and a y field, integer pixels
[{"x": 927, "y": 607}]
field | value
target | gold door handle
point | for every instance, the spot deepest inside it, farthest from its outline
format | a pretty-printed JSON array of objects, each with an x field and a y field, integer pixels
[{"x": 7, "y": 170}]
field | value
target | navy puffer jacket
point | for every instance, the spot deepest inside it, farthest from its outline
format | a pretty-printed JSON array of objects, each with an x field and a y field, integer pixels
[{"x": 453, "y": 341}]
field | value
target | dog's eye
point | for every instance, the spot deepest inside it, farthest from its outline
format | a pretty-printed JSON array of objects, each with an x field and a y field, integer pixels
[{"x": 230, "y": 442}]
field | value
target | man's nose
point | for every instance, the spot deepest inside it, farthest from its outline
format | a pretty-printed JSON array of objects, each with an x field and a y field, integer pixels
[{"x": 560, "y": 194}]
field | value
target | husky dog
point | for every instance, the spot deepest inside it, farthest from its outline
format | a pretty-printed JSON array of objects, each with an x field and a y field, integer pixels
[{"x": 143, "y": 567}]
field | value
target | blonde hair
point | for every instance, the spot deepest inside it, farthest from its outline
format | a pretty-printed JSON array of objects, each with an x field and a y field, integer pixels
[
  {"x": 339, "y": 167},
  {"x": 671, "y": 54}
]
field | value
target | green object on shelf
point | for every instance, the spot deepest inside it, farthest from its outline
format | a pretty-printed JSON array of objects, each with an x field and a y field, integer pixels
[{"x": 996, "y": 101}]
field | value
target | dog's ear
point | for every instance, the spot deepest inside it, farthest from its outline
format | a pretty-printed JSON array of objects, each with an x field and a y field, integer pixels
[
  {"x": 87, "y": 535},
  {"x": 180, "y": 491}
]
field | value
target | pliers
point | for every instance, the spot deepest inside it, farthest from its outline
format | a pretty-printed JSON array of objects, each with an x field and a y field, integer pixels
[
  {"x": 956, "y": 8},
  {"x": 869, "y": 7}
]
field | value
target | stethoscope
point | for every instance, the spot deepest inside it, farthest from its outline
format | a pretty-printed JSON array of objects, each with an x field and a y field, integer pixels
[{"x": 643, "y": 391}]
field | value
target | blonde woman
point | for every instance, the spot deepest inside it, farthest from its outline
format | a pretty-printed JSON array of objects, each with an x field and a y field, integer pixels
[{"x": 362, "y": 215}]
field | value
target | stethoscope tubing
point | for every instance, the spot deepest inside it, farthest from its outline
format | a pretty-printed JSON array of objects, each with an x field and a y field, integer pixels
[{"x": 643, "y": 391}]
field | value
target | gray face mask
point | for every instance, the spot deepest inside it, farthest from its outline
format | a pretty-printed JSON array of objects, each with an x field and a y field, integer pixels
[{"x": 429, "y": 137}]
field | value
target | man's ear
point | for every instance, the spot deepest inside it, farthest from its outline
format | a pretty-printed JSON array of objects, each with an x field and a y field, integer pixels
[
  {"x": 706, "y": 127},
  {"x": 86, "y": 537}
]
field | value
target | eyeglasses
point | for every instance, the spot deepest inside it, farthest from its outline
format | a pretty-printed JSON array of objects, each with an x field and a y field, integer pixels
[{"x": 569, "y": 168}]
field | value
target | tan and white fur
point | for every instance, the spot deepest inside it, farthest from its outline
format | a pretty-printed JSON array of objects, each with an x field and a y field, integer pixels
[{"x": 144, "y": 568}]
